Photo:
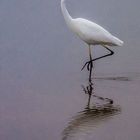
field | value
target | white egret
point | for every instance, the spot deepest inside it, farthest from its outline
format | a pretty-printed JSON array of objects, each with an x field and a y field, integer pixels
[{"x": 91, "y": 33}]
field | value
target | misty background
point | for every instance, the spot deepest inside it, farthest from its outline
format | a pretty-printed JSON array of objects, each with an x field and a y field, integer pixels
[{"x": 41, "y": 61}]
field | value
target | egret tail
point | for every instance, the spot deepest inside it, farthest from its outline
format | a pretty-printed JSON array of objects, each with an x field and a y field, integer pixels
[{"x": 117, "y": 41}]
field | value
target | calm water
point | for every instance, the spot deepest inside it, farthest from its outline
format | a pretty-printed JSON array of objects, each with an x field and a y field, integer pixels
[{"x": 41, "y": 86}]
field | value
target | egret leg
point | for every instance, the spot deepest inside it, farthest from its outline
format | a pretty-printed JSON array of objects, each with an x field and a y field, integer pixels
[
  {"x": 89, "y": 62},
  {"x": 90, "y": 66}
]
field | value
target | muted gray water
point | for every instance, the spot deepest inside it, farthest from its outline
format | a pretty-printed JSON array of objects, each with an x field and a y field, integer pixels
[{"x": 41, "y": 94}]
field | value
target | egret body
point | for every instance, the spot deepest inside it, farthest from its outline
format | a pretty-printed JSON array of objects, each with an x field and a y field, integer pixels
[{"x": 90, "y": 32}]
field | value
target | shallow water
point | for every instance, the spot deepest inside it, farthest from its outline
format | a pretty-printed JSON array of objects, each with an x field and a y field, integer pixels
[{"x": 41, "y": 85}]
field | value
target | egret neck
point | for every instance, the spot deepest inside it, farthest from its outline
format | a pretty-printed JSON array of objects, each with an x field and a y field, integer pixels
[{"x": 66, "y": 14}]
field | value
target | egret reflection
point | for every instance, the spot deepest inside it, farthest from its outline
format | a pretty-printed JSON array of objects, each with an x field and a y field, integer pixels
[
  {"x": 89, "y": 90},
  {"x": 94, "y": 114},
  {"x": 85, "y": 122}
]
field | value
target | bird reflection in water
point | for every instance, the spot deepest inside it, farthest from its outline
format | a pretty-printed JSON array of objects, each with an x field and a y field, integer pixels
[
  {"x": 89, "y": 90},
  {"x": 83, "y": 124}
]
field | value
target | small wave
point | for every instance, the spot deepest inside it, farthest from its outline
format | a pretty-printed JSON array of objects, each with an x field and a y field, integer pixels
[{"x": 117, "y": 78}]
